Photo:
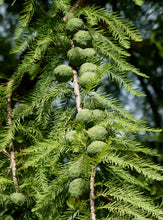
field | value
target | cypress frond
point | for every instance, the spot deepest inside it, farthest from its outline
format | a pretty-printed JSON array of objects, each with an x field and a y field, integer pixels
[
  {"x": 119, "y": 28},
  {"x": 56, "y": 198},
  {"x": 64, "y": 5},
  {"x": 22, "y": 42},
  {"x": 121, "y": 209},
  {"x": 41, "y": 178},
  {"x": 26, "y": 15},
  {"x": 102, "y": 38},
  {"x": 40, "y": 152},
  {"x": 124, "y": 175},
  {"x": 6, "y": 136},
  {"x": 113, "y": 104},
  {"x": 122, "y": 80},
  {"x": 130, "y": 196},
  {"x": 30, "y": 131},
  {"x": 120, "y": 62},
  {"x": 133, "y": 125},
  {"x": 141, "y": 166},
  {"x": 4, "y": 181},
  {"x": 50, "y": 140},
  {"x": 126, "y": 144}
]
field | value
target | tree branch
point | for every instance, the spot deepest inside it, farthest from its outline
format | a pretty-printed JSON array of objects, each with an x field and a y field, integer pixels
[
  {"x": 42, "y": 9},
  {"x": 76, "y": 86},
  {"x": 79, "y": 3},
  {"x": 4, "y": 151},
  {"x": 76, "y": 90},
  {"x": 92, "y": 193},
  {"x": 13, "y": 166},
  {"x": 107, "y": 198},
  {"x": 11, "y": 144},
  {"x": 78, "y": 106}
]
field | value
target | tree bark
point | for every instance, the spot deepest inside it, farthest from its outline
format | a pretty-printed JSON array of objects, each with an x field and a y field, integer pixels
[
  {"x": 76, "y": 90},
  {"x": 92, "y": 193},
  {"x": 11, "y": 144}
]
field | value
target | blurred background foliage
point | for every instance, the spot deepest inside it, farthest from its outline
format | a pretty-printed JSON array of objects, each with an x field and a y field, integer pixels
[{"x": 147, "y": 55}]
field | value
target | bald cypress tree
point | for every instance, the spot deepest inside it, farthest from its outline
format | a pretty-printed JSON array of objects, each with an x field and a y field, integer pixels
[{"x": 70, "y": 151}]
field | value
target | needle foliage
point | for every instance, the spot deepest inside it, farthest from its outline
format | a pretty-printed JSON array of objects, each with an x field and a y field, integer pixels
[{"x": 53, "y": 165}]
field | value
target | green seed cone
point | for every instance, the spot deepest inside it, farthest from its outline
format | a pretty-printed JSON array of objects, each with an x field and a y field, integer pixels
[
  {"x": 90, "y": 54},
  {"x": 97, "y": 133},
  {"x": 96, "y": 147},
  {"x": 76, "y": 56},
  {"x": 17, "y": 201},
  {"x": 87, "y": 78},
  {"x": 88, "y": 67},
  {"x": 85, "y": 117},
  {"x": 63, "y": 73},
  {"x": 78, "y": 188},
  {"x": 73, "y": 25},
  {"x": 99, "y": 115},
  {"x": 75, "y": 171},
  {"x": 82, "y": 39},
  {"x": 63, "y": 43},
  {"x": 94, "y": 103}
]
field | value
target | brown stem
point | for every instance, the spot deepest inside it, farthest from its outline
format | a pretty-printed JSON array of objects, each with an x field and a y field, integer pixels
[
  {"x": 76, "y": 90},
  {"x": 75, "y": 75},
  {"x": 11, "y": 144},
  {"x": 136, "y": 155},
  {"x": 107, "y": 198},
  {"x": 76, "y": 85},
  {"x": 13, "y": 166},
  {"x": 79, "y": 3},
  {"x": 78, "y": 103},
  {"x": 92, "y": 193},
  {"x": 41, "y": 8},
  {"x": 4, "y": 151}
]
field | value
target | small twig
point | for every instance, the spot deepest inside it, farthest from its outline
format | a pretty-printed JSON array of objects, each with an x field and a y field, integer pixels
[
  {"x": 79, "y": 3},
  {"x": 41, "y": 8},
  {"x": 11, "y": 144},
  {"x": 72, "y": 44},
  {"x": 8, "y": 172},
  {"x": 107, "y": 198},
  {"x": 5, "y": 152},
  {"x": 92, "y": 193},
  {"x": 136, "y": 155}
]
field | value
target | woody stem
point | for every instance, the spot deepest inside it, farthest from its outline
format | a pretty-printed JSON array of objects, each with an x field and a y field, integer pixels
[
  {"x": 92, "y": 193},
  {"x": 11, "y": 144}
]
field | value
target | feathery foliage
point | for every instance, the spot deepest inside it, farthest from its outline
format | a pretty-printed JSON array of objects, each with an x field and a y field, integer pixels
[{"x": 50, "y": 144}]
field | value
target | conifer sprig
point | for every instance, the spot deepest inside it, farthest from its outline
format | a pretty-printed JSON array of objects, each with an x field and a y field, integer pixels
[
  {"x": 25, "y": 17},
  {"x": 54, "y": 147},
  {"x": 115, "y": 24}
]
